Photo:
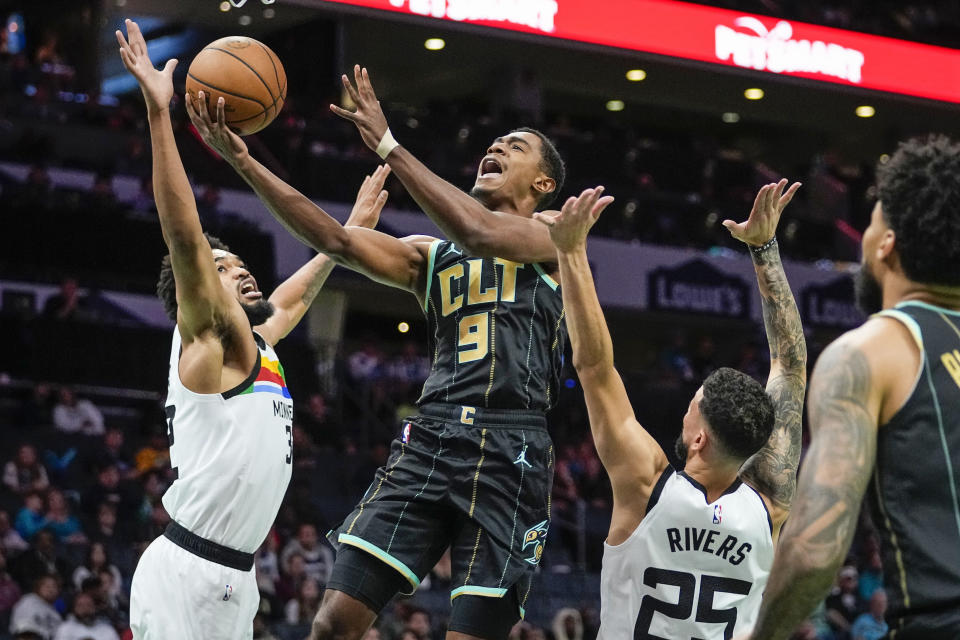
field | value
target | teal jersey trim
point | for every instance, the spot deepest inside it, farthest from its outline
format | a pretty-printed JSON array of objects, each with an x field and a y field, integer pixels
[
  {"x": 486, "y": 592},
  {"x": 927, "y": 305},
  {"x": 380, "y": 554},
  {"x": 907, "y": 320},
  {"x": 433, "y": 258},
  {"x": 951, "y": 478},
  {"x": 546, "y": 278}
]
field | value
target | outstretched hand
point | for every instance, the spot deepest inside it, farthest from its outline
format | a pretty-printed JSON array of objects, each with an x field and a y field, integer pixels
[
  {"x": 370, "y": 200},
  {"x": 761, "y": 226},
  {"x": 156, "y": 84},
  {"x": 569, "y": 226},
  {"x": 216, "y": 133},
  {"x": 369, "y": 116}
]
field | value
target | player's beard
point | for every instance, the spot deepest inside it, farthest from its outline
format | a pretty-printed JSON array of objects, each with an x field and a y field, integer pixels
[
  {"x": 680, "y": 448},
  {"x": 258, "y": 312},
  {"x": 867, "y": 290}
]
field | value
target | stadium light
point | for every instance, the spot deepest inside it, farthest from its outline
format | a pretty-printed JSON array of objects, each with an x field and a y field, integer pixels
[
  {"x": 434, "y": 44},
  {"x": 224, "y": 6},
  {"x": 753, "y": 94},
  {"x": 615, "y": 105},
  {"x": 636, "y": 75},
  {"x": 403, "y": 327},
  {"x": 865, "y": 111},
  {"x": 730, "y": 117}
]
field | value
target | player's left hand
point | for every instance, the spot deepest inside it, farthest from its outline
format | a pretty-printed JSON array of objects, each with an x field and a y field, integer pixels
[
  {"x": 761, "y": 226},
  {"x": 370, "y": 200},
  {"x": 369, "y": 116},
  {"x": 156, "y": 84},
  {"x": 569, "y": 226},
  {"x": 216, "y": 134}
]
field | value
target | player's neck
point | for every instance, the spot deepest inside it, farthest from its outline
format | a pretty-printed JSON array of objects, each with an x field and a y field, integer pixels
[
  {"x": 715, "y": 477},
  {"x": 903, "y": 290},
  {"x": 524, "y": 208}
]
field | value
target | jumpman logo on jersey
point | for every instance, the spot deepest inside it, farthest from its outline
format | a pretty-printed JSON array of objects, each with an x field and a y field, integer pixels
[
  {"x": 522, "y": 457},
  {"x": 453, "y": 249}
]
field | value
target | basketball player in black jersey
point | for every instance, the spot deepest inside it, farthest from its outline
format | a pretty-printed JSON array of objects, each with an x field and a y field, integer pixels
[
  {"x": 885, "y": 415},
  {"x": 473, "y": 471}
]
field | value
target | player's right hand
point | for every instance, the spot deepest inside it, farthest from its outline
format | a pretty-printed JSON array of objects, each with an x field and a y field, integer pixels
[
  {"x": 569, "y": 226},
  {"x": 216, "y": 134},
  {"x": 156, "y": 84},
  {"x": 369, "y": 116},
  {"x": 370, "y": 200}
]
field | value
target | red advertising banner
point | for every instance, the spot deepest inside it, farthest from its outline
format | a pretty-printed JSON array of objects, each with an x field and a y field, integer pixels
[{"x": 718, "y": 36}]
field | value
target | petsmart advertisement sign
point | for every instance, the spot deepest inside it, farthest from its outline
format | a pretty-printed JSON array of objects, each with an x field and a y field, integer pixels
[{"x": 718, "y": 36}]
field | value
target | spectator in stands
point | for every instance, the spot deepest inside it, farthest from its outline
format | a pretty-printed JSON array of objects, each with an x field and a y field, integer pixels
[
  {"x": 372, "y": 634},
  {"x": 567, "y": 625},
  {"x": 83, "y": 623},
  {"x": 113, "y": 449},
  {"x": 76, "y": 415},
  {"x": 10, "y": 538},
  {"x": 366, "y": 363},
  {"x": 303, "y": 608},
  {"x": 267, "y": 564},
  {"x": 38, "y": 410},
  {"x": 408, "y": 369},
  {"x": 143, "y": 204},
  {"x": 25, "y": 474},
  {"x": 844, "y": 603},
  {"x": 9, "y": 591},
  {"x": 292, "y": 576},
  {"x": 41, "y": 559},
  {"x": 96, "y": 561},
  {"x": 102, "y": 199},
  {"x": 418, "y": 621},
  {"x": 68, "y": 304},
  {"x": 871, "y": 575},
  {"x": 871, "y": 625},
  {"x": 155, "y": 455},
  {"x": 316, "y": 421},
  {"x": 61, "y": 521},
  {"x": 108, "y": 488},
  {"x": 35, "y": 610},
  {"x": 116, "y": 543},
  {"x": 99, "y": 588},
  {"x": 317, "y": 555},
  {"x": 31, "y": 518}
]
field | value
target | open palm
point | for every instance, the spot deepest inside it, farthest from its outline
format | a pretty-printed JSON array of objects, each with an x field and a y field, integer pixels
[
  {"x": 157, "y": 85},
  {"x": 765, "y": 215}
]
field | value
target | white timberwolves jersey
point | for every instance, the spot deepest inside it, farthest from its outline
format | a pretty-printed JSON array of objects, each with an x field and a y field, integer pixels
[
  {"x": 231, "y": 453},
  {"x": 690, "y": 569}
]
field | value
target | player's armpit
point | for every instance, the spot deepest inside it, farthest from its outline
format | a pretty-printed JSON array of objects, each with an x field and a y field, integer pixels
[
  {"x": 843, "y": 419},
  {"x": 203, "y": 305}
]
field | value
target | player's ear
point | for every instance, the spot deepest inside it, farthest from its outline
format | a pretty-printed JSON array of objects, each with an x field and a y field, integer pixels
[
  {"x": 544, "y": 184},
  {"x": 887, "y": 245}
]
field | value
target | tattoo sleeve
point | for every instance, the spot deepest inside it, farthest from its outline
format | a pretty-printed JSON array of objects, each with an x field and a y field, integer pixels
[
  {"x": 834, "y": 477},
  {"x": 773, "y": 469}
]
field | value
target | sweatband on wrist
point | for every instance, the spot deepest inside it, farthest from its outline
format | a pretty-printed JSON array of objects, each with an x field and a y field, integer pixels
[
  {"x": 387, "y": 144},
  {"x": 766, "y": 245}
]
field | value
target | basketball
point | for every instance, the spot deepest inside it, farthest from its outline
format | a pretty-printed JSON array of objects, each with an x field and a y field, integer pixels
[{"x": 247, "y": 74}]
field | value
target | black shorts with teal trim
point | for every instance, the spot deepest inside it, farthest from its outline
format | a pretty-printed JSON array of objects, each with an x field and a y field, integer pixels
[{"x": 475, "y": 480}]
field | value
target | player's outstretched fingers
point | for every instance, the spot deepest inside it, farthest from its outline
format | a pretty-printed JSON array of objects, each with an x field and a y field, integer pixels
[
  {"x": 221, "y": 114},
  {"x": 351, "y": 91}
]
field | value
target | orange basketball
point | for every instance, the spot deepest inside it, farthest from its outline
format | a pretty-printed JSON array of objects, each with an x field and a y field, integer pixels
[{"x": 247, "y": 74}]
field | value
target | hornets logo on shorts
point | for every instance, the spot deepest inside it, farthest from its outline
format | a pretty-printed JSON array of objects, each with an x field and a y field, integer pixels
[{"x": 536, "y": 537}]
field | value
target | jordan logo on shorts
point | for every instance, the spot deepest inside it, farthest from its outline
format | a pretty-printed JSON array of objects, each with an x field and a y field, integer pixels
[
  {"x": 227, "y": 593},
  {"x": 522, "y": 457}
]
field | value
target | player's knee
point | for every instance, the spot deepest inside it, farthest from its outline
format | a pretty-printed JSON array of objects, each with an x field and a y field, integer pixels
[{"x": 329, "y": 626}]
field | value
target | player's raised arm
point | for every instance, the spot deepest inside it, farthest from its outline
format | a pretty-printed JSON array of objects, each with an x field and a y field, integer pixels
[
  {"x": 632, "y": 458},
  {"x": 201, "y": 299},
  {"x": 844, "y": 407},
  {"x": 397, "y": 262},
  {"x": 295, "y": 295},
  {"x": 773, "y": 469},
  {"x": 465, "y": 220}
]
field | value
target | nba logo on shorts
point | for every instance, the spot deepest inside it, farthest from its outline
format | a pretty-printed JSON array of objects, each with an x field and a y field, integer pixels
[
  {"x": 717, "y": 514},
  {"x": 405, "y": 436},
  {"x": 227, "y": 593}
]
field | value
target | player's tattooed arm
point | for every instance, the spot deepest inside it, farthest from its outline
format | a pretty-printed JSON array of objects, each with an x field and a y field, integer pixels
[
  {"x": 295, "y": 295},
  {"x": 773, "y": 469},
  {"x": 462, "y": 218},
  {"x": 815, "y": 540}
]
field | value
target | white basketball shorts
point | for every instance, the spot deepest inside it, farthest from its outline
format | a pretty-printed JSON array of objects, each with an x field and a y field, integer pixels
[{"x": 176, "y": 594}]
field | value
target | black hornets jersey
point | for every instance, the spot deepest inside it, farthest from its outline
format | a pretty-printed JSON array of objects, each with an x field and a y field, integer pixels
[
  {"x": 916, "y": 483},
  {"x": 496, "y": 332}
]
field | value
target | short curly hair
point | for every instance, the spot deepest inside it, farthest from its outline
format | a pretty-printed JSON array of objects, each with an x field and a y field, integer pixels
[
  {"x": 738, "y": 410},
  {"x": 919, "y": 191},
  {"x": 551, "y": 163},
  {"x": 167, "y": 286}
]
